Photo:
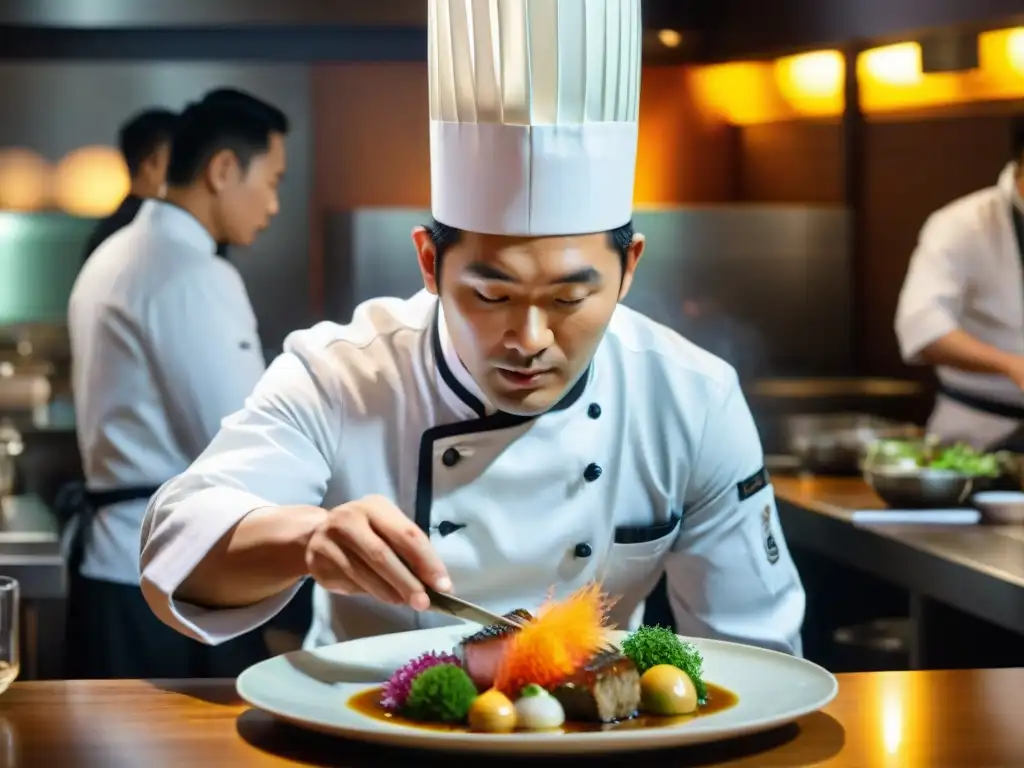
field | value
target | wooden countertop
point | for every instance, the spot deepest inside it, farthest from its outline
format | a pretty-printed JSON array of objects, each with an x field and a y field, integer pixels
[
  {"x": 833, "y": 496},
  {"x": 906, "y": 719}
]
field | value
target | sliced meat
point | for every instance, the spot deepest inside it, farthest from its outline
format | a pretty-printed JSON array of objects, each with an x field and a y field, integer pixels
[
  {"x": 605, "y": 690},
  {"x": 481, "y": 653}
]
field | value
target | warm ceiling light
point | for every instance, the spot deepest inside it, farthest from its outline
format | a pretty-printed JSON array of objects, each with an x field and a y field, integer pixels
[
  {"x": 24, "y": 180},
  {"x": 670, "y": 38},
  {"x": 1015, "y": 49},
  {"x": 898, "y": 64},
  {"x": 817, "y": 75},
  {"x": 91, "y": 181}
]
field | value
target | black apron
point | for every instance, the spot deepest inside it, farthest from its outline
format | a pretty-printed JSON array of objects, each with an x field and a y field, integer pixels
[
  {"x": 76, "y": 505},
  {"x": 1015, "y": 441},
  {"x": 112, "y": 632}
]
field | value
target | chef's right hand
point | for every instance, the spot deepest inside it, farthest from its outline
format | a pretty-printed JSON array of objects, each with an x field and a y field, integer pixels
[{"x": 359, "y": 548}]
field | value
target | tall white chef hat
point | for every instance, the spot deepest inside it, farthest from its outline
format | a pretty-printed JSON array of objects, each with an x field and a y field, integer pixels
[{"x": 533, "y": 114}]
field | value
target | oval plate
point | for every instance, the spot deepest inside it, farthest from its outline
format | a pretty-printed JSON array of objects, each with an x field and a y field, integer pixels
[{"x": 311, "y": 689}]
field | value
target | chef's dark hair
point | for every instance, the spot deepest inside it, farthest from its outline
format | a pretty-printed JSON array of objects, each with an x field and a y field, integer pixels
[
  {"x": 234, "y": 121},
  {"x": 143, "y": 133},
  {"x": 237, "y": 97},
  {"x": 444, "y": 237}
]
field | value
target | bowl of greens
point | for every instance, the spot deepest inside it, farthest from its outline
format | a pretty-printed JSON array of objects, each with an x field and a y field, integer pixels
[{"x": 921, "y": 474}]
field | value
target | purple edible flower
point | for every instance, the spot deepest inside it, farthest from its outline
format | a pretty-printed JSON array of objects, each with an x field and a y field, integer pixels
[{"x": 396, "y": 690}]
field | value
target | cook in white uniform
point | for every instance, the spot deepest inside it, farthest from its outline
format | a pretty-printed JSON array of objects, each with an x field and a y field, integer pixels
[
  {"x": 512, "y": 428},
  {"x": 962, "y": 310},
  {"x": 164, "y": 345}
]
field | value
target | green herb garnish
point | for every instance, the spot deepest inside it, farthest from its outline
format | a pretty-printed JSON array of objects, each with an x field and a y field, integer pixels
[
  {"x": 960, "y": 458},
  {"x": 650, "y": 646},
  {"x": 965, "y": 460},
  {"x": 440, "y": 694},
  {"x": 531, "y": 690}
]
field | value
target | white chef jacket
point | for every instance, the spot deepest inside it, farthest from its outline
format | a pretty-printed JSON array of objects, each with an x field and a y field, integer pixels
[
  {"x": 651, "y": 464},
  {"x": 966, "y": 274},
  {"x": 164, "y": 345}
]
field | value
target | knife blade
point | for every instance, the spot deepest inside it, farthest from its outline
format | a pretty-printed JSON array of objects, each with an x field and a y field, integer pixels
[{"x": 466, "y": 611}]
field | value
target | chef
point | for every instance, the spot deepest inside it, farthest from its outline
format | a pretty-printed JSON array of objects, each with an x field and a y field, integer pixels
[
  {"x": 145, "y": 143},
  {"x": 164, "y": 345},
  {"x": 961, "y": 310},
  {"x": 510, "y": 430}
]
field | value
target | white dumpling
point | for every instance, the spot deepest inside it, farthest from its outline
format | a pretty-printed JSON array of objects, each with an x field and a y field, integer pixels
[{"x": 539, "y": 712}]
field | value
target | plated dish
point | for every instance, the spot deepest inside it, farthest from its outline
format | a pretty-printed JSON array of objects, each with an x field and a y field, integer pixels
[
  {"x": 557, "y": 673},
  {"x": 341, "y": 690}
]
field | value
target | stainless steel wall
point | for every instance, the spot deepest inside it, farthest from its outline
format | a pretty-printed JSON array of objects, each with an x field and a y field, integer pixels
[
  {"x": 192, "y": 13},
  {"x": 54, "y": 108},
  {"x": 764, "y": 286}
]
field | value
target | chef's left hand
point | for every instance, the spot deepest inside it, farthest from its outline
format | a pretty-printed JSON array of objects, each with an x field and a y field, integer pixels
[{"x": 363, "y": 547}]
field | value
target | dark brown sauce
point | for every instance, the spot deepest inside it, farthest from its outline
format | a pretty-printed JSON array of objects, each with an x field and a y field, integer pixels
[{"x": 719, "y": 699}]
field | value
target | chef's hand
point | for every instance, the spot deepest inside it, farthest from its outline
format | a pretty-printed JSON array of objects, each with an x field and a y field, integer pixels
[{"x": 360, "y": 547}]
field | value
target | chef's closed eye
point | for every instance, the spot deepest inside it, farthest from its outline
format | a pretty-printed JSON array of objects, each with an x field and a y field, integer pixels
[
  {"x": 573, "y": 298},
  {"x": 489, "y": 297}
]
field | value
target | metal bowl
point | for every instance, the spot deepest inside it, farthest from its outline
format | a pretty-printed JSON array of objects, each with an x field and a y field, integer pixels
[
  {"x": 835, "y": 444},
  {"x": 904, "y": 488}
]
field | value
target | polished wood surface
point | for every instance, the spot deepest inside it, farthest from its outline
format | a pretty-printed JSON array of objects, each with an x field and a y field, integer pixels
[
  {"x": 833, "y": 496},
  {"x": 890, "y": 719},
  {"x": 815, "y": 388}
]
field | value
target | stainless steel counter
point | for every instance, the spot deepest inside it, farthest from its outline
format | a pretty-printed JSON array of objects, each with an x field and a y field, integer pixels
[
  {"x": 965, "y": 583},
  {"x": 30, "y": 552},
  {"x": 30, "y": 548}
]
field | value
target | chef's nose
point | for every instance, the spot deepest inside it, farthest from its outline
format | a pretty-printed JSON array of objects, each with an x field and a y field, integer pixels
[{"x": 531, "y": 333}]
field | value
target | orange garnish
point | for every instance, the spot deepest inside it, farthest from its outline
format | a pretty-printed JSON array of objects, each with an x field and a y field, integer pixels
[{"x": 565, "y": 635}]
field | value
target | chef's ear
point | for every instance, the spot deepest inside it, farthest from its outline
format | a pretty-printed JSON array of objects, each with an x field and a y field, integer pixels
[
  {"x": 426, "y": 255},
  {"x": 633, "y": 254},
  {"x": 222, "y": 170}
]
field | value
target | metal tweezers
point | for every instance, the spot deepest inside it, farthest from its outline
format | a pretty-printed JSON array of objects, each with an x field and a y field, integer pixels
[{"x": 461, "y": 609}]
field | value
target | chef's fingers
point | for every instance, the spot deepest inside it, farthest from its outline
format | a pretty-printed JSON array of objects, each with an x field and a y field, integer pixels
[
  {"x": 354, "y": 534},
  {"x": 410, "y": 543},
  {"x": 373, "y": 584},
  {"x": 329, "y": 567},
  {"x": 337, "y": 572}
]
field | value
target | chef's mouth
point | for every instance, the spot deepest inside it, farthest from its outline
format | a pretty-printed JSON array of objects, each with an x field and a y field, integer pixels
[{"x": 528, "y": 379}]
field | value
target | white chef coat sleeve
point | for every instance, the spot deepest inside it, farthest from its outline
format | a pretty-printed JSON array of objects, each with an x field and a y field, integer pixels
[
  {"x": 730, "y": 575},
  {"x": 278, "y": 450},
  {"x": 932, "y": 297},
  {"x": 207, "y": 353}
]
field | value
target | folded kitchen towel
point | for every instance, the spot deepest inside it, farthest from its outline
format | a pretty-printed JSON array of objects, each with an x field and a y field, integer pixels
[{"x": 916, "y": 516}]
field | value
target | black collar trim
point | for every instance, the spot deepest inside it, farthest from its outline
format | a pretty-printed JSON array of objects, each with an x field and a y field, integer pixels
[{"x": 472, "y": 400}]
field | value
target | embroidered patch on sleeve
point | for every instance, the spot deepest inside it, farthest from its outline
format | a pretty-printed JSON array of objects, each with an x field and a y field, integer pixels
[
  {"x": 771, "y": 547},
  {"x": 753, "y": 484}
]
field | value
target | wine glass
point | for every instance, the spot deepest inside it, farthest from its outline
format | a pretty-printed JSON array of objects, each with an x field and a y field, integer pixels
[{"x": 10, "y": 608}]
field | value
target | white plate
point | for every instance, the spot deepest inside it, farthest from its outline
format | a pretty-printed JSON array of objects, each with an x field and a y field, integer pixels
[{"x": 311, "y": 689}]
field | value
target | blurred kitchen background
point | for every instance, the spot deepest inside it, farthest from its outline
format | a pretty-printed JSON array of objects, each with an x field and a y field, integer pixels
[{"x": 789, "y": 153}]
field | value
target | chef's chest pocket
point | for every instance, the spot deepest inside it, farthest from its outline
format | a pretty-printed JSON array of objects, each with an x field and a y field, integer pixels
[{"x": 636, "y": 560}]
